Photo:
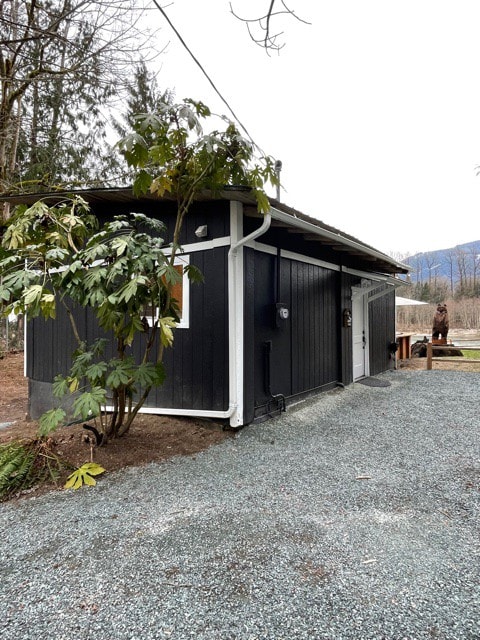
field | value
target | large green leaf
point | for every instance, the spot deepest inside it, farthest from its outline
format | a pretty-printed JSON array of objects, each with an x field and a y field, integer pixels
[
  {"x": 4, "y": 294},
  {"x": 81, "y": 361},
  {"x": 120, "y": 245},
  {"x": 96, "y": 371},
  {"x": 133, "y": 328},
  {"x": 61, "y": 386},
  {"x": 194, "y": 274},
  {"x": 57, "y": 254},
  {"x": 33, "y": 294},
  {"x": 142, "y": 182},
  {"x": 89, "y": 403},
  {"x": 128, "y": 290},
  {"x": 50, "y": 421},
  {"x": 121, "y": 373},
  {"x": 135, "y": 149},
  {"x": 149, "y": 374}
]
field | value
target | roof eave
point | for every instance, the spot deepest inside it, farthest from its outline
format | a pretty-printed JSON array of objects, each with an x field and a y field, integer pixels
[{"x": 280, "y": 212}]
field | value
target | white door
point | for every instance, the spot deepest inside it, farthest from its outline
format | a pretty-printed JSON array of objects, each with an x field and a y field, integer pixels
[{"x": 359, "y": 337}]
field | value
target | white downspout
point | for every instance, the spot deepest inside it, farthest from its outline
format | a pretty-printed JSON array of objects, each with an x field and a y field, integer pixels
[
  {"x": 252, "y": 236},
  {"x": 235, "y": 324},
  {"x": 235, "y": 308}
]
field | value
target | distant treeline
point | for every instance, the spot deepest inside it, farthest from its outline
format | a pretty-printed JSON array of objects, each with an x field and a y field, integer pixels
[
  {"x": 449, "y": 273},
  {"x": 463, "y": 313},
  {"x": 437, "y": 290}
]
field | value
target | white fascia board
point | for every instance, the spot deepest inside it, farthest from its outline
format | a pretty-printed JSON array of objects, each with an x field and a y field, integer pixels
[
  {"x": 263, "y": 248},
  {"x": 363, "y": 291}
]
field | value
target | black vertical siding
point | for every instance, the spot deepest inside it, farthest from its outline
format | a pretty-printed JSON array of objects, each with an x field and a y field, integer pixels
[
  {"x": 304, "y": 350},
  {"x": 264, "y": 327},
  {"x": 249, "y": 383},
  {"x": 310, "y": 351},
  {"x": 197, "y": 365},
  {"x": 214, "y": 214},
  {"x": 315, "y": 325},
  {"x": 50, "y": 344},
  {"x": 381, "y": 320}
]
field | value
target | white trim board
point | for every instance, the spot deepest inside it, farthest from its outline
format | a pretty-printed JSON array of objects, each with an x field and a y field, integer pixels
[
  {"x": 194, "y": 413},
  {"x": 224, "y": 241},
  {"x": 291, "y": 255}
]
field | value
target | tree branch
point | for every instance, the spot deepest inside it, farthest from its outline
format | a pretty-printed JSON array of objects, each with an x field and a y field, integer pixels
[{"x": 267, "y": 40}]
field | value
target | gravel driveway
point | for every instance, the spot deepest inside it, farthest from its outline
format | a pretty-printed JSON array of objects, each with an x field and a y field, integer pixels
[{"x": 351, "y": 516}]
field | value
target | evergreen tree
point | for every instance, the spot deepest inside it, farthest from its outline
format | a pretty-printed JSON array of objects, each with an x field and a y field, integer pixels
[
  {"x": 143, "y": 96},
  {"x": 63, "y": 64}
]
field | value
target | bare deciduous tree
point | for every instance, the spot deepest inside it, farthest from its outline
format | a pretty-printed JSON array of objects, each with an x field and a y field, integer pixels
[
  {"x": 58, "y": 56},
  {"x": 261, "y": 28}
]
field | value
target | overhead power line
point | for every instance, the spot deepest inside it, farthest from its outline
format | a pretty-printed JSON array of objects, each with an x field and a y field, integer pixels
[{"x": 199, "y": 64}]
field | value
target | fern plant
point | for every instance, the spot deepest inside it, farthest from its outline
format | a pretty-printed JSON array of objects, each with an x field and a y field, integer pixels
[
  {"x": 23, "y": 465},
  {"x": 16, "y": 461}
]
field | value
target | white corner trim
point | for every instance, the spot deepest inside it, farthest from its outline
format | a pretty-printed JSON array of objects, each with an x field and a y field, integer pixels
[
  {"x": 25, "y": 351},
  {"x": 235, "y": 315}
]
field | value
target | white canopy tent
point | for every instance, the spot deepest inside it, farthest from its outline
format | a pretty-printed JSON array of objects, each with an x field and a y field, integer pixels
[{"x": 406, "y": 302}]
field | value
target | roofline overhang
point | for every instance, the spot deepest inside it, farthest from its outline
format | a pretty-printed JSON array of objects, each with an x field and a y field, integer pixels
[
  {"x": 338, "y": 238},
  {"x": 279, "y": 211}
]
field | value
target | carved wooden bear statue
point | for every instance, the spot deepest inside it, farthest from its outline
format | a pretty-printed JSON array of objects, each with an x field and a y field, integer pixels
[{"x": 440, "y": 322}]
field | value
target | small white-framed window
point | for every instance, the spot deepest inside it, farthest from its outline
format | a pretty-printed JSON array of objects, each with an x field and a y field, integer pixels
[{"x": 180, "y": 292}]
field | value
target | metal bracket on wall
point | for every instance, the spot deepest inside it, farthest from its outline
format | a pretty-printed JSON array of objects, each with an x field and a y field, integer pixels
[{"x": 271, "y": 408}]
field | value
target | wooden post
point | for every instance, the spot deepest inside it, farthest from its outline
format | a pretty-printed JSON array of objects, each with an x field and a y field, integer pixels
[{"x": 429, "y": 356}]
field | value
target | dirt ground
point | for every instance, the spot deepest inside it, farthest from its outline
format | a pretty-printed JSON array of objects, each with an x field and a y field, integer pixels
[{"x": 151, "y": 438}]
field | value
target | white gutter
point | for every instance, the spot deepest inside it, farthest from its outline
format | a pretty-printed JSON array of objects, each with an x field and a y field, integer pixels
[
  {"x": 393, "y": 280},
  {"x": 236, "y": 310},
  {"x": 330, "y": 235},
  {"x": 252, "y": 236}
]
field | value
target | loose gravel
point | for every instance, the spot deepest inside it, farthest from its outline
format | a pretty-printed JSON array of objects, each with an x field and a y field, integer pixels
[{"x": 351, "y": 516}]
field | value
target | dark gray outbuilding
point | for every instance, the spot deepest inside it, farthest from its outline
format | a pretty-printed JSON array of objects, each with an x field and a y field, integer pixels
[{"x": 289, "y": 307}]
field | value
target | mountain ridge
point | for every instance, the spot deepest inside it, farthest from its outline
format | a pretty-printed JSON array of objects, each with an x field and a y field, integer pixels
[{"x": 454, "y": 263}]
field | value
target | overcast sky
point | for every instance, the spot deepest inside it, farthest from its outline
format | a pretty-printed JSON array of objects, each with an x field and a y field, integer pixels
[{"x": 374, "y": 109}]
